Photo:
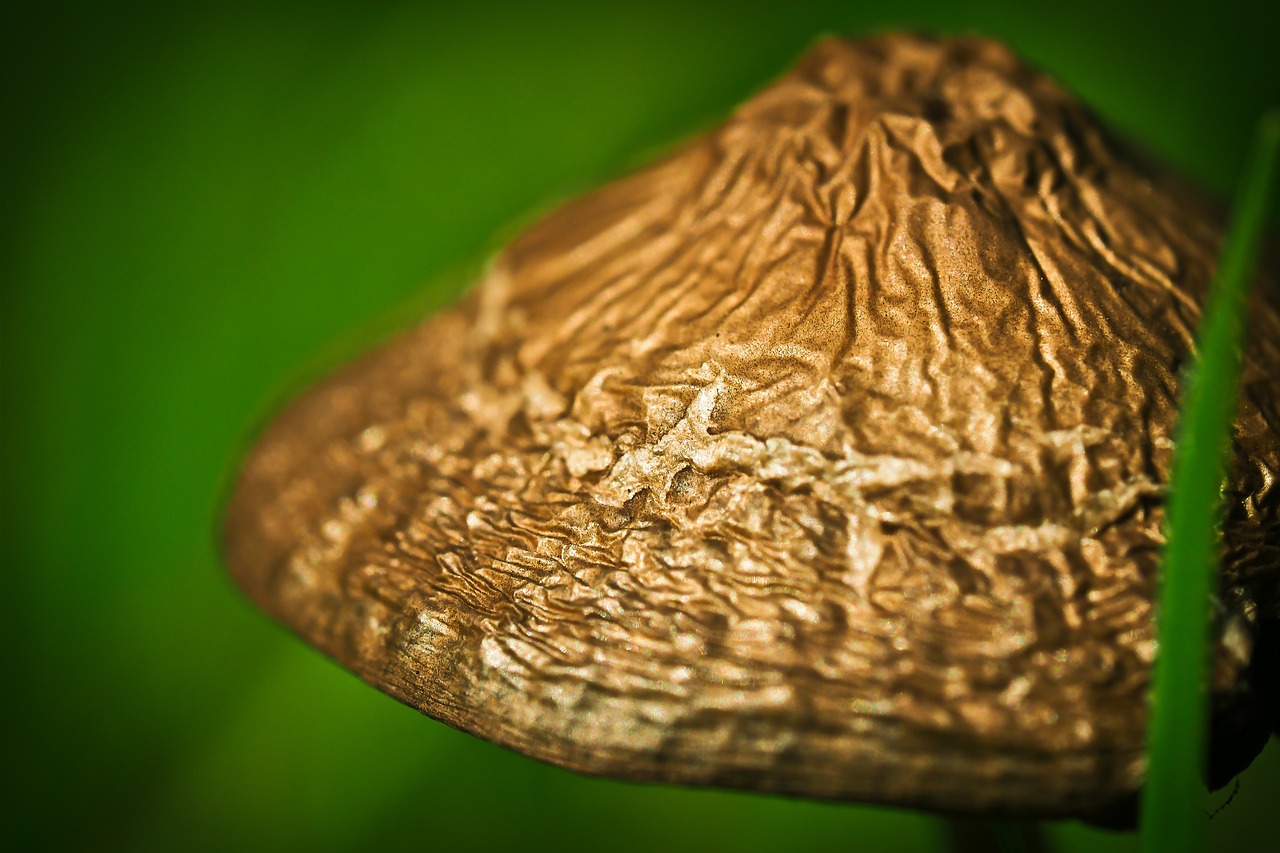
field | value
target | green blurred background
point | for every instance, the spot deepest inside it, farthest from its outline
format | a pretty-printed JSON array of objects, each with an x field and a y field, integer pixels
[{"x": 198, "y": 202}]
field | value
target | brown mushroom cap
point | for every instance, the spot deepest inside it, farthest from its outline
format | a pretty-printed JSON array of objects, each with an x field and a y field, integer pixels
[{"x": 824, "y": 457}]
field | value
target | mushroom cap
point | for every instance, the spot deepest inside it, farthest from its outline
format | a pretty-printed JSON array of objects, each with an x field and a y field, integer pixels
[{"x": 824, "y": 457}]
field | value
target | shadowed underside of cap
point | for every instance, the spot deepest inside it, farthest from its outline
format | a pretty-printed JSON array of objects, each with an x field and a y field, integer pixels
[{"x": 824, "y": 457}]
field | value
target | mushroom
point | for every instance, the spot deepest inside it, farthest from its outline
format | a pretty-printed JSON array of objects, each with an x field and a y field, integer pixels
[{"x": 825, "y": 457}]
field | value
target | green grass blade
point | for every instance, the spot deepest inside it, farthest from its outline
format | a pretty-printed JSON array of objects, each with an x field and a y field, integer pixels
[{"x": 1173, "y": 816}]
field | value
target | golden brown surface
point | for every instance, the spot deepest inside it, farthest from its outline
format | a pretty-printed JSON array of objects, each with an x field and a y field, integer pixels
[{"x": 823, "y": 457}]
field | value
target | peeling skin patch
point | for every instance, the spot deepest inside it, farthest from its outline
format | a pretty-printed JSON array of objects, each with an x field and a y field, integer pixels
[{"x": 824, "y": 457}]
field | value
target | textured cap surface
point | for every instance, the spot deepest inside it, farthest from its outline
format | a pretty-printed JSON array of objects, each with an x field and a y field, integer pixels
[{"x": 823, "y": 457}]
